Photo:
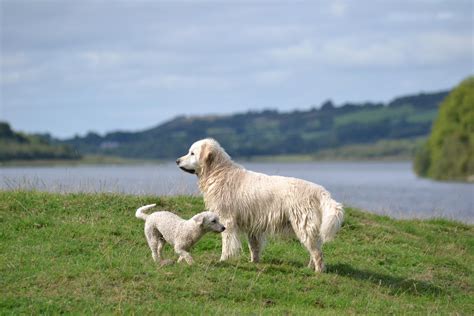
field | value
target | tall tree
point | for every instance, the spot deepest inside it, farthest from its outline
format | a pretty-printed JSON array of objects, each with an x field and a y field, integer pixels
[{"x": 449, "y": 151}]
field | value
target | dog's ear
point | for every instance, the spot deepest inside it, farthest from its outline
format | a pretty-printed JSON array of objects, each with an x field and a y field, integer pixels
[
  {"x": 199, "y": 219},
  {"x": 207, "y": 155}
]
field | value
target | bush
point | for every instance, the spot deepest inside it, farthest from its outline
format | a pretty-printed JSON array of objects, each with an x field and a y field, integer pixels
[{"x": 449, "y": 151}]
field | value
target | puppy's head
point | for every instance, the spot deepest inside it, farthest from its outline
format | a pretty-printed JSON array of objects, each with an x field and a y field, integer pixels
[
  {"x": 202, "y": 154},
  {"x": 209, "y": 222}
]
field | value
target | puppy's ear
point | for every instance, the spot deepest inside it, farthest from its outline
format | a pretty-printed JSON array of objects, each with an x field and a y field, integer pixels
[{"x": 199, "y": 219}]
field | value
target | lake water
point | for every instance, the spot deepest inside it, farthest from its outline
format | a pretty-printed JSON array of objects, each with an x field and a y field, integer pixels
[{"x": 389, "y": 188}]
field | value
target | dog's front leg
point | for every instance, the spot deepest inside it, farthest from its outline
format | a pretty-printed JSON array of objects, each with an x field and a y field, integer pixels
[
  {"x": 231, "y": 245},
  {"x": 183, "y": 254}
]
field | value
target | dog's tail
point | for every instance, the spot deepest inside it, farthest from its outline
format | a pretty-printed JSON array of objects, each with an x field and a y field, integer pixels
[
  {"x": 139, "y": 213},
  {"x": 333, "y": 216}
]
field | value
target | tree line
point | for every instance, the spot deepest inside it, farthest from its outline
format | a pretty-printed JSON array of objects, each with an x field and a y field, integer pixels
[
  {"x": 270, "y": 132},
  {"x": 19, "y": 146}
]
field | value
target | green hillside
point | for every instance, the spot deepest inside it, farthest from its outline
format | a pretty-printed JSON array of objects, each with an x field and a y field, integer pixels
[
  {"x": 449, "y": 151},
  {"x": 86, "y": 254},
  {"x": 18, "y": 146},
  {"x": 273, "y": 133}
]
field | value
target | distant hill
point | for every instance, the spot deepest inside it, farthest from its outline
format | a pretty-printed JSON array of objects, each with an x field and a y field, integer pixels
[
  {"x": 270, "y": 132},
  {"x": 449, "y": 152},
  {"x": 18, "y": 146}
]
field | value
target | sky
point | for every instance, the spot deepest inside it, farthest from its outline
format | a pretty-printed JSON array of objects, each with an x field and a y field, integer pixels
[{"x": 69, "y": 67}]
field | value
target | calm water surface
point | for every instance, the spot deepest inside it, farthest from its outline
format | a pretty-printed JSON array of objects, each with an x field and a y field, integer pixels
[{"x": 389, "y": 188}]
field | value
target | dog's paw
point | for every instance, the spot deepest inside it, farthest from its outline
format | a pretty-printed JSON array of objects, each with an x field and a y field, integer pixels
[
  {"x": 320, "y": 268},
  {"x": 166, "y": 262}
]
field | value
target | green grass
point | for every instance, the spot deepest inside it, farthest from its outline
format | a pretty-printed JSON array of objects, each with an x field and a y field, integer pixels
[{"x": 86, "y": 253}]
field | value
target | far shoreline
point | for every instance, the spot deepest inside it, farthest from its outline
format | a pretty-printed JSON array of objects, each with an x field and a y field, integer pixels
[{"x": 114, "y": 160}]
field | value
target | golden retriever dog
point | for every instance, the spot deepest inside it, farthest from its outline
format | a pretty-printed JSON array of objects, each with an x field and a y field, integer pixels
[{"x": 257, "y": 204}]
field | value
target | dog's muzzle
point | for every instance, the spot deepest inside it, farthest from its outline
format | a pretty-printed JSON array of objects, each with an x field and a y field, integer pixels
[
  {"x": 188, "y": 170},
  {"x": 184, "y": 169}
]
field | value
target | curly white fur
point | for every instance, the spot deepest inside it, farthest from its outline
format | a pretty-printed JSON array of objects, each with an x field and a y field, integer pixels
[
  {"x": 162, "y": 227},
  {"x": 258, "y": 204}
]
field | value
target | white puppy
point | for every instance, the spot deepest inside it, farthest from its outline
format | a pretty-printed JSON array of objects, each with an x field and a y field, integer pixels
[
  {"x": 257, "y": 204},
  {"x": 166, "y": 227}
]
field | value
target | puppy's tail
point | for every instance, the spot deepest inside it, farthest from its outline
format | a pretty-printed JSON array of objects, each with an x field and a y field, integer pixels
[
  {"x": 139, "y": 213},
  {"x": 333, "y": 216}
]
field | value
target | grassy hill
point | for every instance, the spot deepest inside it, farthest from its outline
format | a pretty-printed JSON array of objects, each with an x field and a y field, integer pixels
[
  {"x": 449, "y": 152},
  {"x": 86, "y": 254},
  {"x": 18, "y": 146},
  {"x": 274, "y": 133}
]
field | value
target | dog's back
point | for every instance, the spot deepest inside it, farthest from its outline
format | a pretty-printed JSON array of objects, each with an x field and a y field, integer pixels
[{"x": 166, "y": 223}]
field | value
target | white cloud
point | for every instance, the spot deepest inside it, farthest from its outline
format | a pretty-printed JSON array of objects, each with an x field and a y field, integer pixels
[
  {"x": 13, "y": 60},
  {"x": 338, "y": 8},
  {"x": 180, "y": 82},
  {"x": 11, "y": 77},
  {"x": 271, "y": 77},
  {"x": 416, "y": 50},
  {"x": 303, "y": 50},
  {"x": 351, "y": 52},
  {"x": 17, "y": 68},
  {"x": 419, "y": 16},
  {"x": 445, "y": 15},
  {"x": 102, "y": 58},
  {"x": 270, "y": 33},
  {"x": 441, "y": 48}
]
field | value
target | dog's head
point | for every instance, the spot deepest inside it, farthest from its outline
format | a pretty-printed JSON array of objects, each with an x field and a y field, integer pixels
[
  {"x": 209, "y": 222},
  {"x": 201, "y": 156}
]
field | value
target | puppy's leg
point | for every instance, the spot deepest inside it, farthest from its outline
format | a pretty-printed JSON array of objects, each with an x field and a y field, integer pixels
[
  {"x": 153, "y": 239},
  {"x": 183, "y": 254},
  {"x": 159, "y": 247},
  {"x": 231, "y": 245},
  {"x": 256, "y": 245}
]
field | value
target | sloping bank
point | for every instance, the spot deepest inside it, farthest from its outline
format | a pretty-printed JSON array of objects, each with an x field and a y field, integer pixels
[{"x": 86, "y": 253}]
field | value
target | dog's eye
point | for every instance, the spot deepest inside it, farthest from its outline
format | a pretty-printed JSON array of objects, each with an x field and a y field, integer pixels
[
  {"x": 192, "y": 153},
  {"x": 214, "y": 221}
]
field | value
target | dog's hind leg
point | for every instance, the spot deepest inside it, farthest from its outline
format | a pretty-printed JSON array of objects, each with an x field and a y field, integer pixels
[
  {"x": 159, "y": 248},
  {"x": 155, "y": 241},
  {"x": 313, "y": 244},
  {"x": 316, "y": 256},
  {"x": 256, "y": 245}
]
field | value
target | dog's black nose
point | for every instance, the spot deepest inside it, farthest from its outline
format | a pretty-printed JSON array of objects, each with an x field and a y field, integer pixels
[
  {"x": 177, "y": 161},
  {"x": 222, "y": 229}
]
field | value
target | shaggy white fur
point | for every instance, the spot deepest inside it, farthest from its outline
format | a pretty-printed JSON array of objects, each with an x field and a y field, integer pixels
[
  {"x": 258, "y": 204},
  {"x": 162, "y": 227}
]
